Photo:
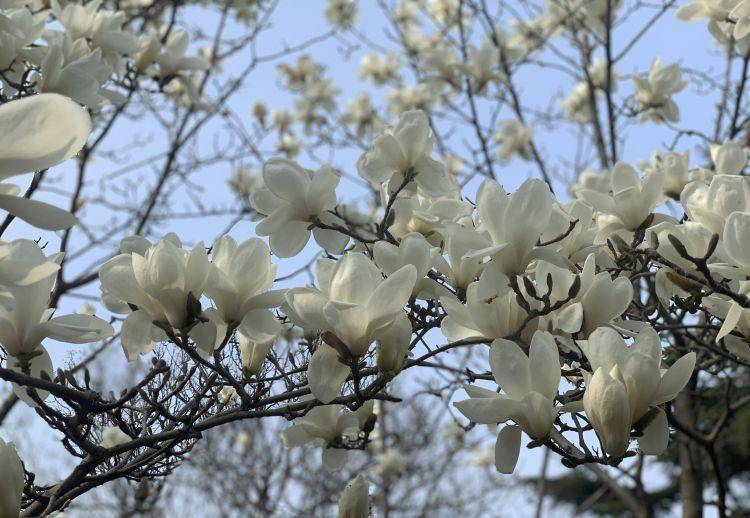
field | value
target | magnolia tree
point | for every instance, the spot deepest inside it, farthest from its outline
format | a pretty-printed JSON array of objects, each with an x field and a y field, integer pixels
[{"x": 597, "y": 311}]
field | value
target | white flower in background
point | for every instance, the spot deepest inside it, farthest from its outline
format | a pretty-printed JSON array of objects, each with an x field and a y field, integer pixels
[
  {"x": 37, "y": 133},
  {"x": 710, "y": 205},
  {"x": 112, "y": 436},
  {"x": 632, "y": 201},
  {"x": 389, "y": 463},
  {"x": 735, "y": 318},
  {"x": 356, "y": 306},
  {"x": 326, "y": 427},
  {"x": 654, "y": 92},
  {"x": 341, "y": 13},
  {"x": 245, "y": 182},
  {"x": 403, "y": 152},
  {"x": 295, "y": 198},
  {"x": 421, "y": 96},
  {"x": 576, "y": 105},
  {"x": 12, "y": 481},
  {"x": 491, "y": 310},
  {"x": 598, "y": 74},
  {"x": 514, "y": 138},
  {"x": 514, "y": 223},
  {"x": 239, "y": 281},
  {"x": 482, "y": 65},
  {"x": 529, "y": 384},
  {"x": 676, "y": 167},
  {"x": 717, "y": 10},
  {"x": 599, "y": 181},
  {"x": 445, "y": 12},
  {"x": 627, "y": 383},
  {"x": 355, "y": 499},
  {"x": 162, "y": 282},
  {"x": 172, "y": 59},
  {"x": 379, "y": 68},
  {"x": 442, "y": 66},
  {"x": 361, "y": 113}
]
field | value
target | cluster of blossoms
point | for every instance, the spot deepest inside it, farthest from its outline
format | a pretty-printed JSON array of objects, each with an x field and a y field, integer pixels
[
  {"x": 93, "y": 48},
  {"x": 548, "y": 293}
]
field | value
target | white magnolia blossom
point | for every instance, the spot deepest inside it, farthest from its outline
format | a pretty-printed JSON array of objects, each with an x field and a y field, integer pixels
[
  {"x": 632, "y": 200},
  {"x": 354, "y": 306},
  {"x": 710, "y": 205},
  {"x": 328, "y": 427},
  {"x": 37, "y": 133},
  {"x": 293, "y": 200},
  {"x": 342, "y": 13},
  {"x": 655, "y": 91},
  {"x": 676, "y": 167},
  {"x": 25, "y": 316},
  {"x": 626, "y": 384},
  {"x": 514, "y": 138},
  {"x": 529, "y": 384},
  {"x": 12, "y": 481},
  {"x": 499, "y": 213},
  {"x": 162, "y": 284},
  {"x": 239, "y": 280},
  {"x": 403, "y": 153}
]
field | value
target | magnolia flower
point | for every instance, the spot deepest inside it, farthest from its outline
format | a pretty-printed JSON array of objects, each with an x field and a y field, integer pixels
[
  {"x": 627, "y": 383},
  {"x": 729, "y": 158},
  {"x": 12, "y": 481},
  {"x": 37, "y": 133},
  {"x": 676, "y": 170},
  {"x": 514, "y": 138},
  {"x": 25, "y": 316},
  {"x": 514, "y": 223},
  {"x": 491, "y": 310},
  {"x": 654, "y": 94},
  {"x": 172, "y": 60},
  {"x": 599, "y": 181},
  {"x": 710, "y": 205},
  {"x": 631, "y": 203},
  {"x": 695, "y": 239},
  {"x": 717, "y": 10},
  {"x": 162, "y": 282},
  {"x": 341, "y": 13},
  {"x": 460, "y": 270},
  {"x": 403, "y": 153},
  {"x": 356, "y": 307},
  {"x": 379, "y": 68},
  {"x": 293, "y": 200},
  {"x": 238, "y": 282},
  {"x": 355, "y": 499},
  {"x": 529, "y": 384},
  {"x": 415, "y": 250},
  {"x": 735, "y": 318},
  {"x": 328, "y": 426},
  {"x": 427, "y": 215}
]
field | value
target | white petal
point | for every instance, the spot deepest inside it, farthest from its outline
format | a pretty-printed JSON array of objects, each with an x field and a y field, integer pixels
[
  {"x": 510, "y": 368},
  {"x": 507, "y": 448},
  {"x": 39, "y": 132},
  {"x": 39, "y": 214},
  {"x": 655, "y": 436},
  {"x": 675, "y": 379},
  {"x": 326, "y": 374}
]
